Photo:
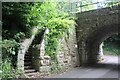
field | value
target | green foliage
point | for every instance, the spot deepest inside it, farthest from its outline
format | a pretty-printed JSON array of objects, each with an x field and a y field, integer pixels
[
  {"x": 16, "y": 26},
  {"x": 16, "y": 18},
  {"x": 111, "y": 48},
  {"x": 20, "y": 18},
  {"x": 58, "y": 28},
  {"x": 9, "y": 48},
  {"x": 111, "y": 45},
  {"x": 9, "y": 52},
  {"x": 55, "y": 67},
  {"x": 8, "y": 71},
  {"x": 111, "y": 4},
  {"x": 19, "y": 36},
  {"x": 49, "y": 16},
  {"x": 87, "y": 5}
]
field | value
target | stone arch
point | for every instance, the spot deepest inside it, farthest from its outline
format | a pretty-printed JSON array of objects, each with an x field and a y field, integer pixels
[{"x": 95, "y": 38}]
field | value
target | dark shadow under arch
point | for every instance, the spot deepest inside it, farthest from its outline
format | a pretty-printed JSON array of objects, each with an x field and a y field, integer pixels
[{"x": 95, "y": 38}]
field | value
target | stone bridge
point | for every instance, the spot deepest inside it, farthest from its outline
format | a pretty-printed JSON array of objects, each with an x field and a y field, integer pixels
[{"x": 93, "y": 27}]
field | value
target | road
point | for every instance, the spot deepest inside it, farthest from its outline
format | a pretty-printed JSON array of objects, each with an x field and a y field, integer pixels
[{"x": 107, "y": 69}]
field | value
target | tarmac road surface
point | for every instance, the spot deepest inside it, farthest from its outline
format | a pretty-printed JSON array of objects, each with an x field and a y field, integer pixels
[{"x": 106, "y": 69}]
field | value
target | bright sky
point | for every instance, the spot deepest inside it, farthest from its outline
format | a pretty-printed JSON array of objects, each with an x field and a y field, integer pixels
[
  {"x": 98, "y": 0},
  {"x": 101, "y": 0},
  {"x": 96, "y": 5}
]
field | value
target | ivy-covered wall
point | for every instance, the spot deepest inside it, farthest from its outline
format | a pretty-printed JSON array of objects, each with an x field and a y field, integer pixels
[{"x": 66, "y": 56}]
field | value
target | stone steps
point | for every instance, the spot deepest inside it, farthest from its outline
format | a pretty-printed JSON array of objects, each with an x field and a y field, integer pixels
[
  {"x": 29, "y": 70},
  {"x": 28, "y": 56},
  {"x": 27, "y": 63},
  {"x": 32, "y": 74},
  {"x": 27, "y": 67},
  {"x": 28, "y": 60}
]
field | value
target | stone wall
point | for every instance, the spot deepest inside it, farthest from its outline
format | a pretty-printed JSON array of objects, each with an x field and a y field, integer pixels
[
  {"x": 40, "y": 61},
  {"x": 23, "y": 49},
  {"x": 68, "y": 55}
]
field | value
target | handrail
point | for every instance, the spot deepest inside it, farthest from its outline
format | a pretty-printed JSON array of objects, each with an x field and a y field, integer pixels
[{"x": 98, "y": 5}]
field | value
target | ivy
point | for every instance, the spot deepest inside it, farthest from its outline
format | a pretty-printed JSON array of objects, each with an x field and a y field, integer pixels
[
  {"x": 48, "y": 15},
  {"x": 58, "y": 29}
]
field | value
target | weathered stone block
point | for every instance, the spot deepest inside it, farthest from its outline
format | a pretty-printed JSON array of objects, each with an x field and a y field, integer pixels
[
  {"x": 41, "y": 57},
  {"x": 45, "y": 69},
  {"x": 45, "y": 62},
  {"x": 61, "y": 56},
  {"x": 66, "y": 61},
  {"x": 47, "y": 57}
]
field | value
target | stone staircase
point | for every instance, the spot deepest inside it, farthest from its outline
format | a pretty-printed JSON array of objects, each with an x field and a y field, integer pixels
[{"x": 28, "y": 69}]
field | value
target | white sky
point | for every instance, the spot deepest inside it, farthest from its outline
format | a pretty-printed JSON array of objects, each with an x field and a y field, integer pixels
[
  {"x": 104, "y": 0},
  {"x": 101, "y": 0},
  {"x": 98, "y": 0}
]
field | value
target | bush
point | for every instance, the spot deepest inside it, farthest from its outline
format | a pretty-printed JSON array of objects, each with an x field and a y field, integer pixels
[
  {"x": 8, "y": 71},
  {"x": 9, "y": 48}
]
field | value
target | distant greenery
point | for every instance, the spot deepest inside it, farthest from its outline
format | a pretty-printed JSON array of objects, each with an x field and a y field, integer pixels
[
  {"x": 111, "y": 45},
  {"x": 111, "y": 49},
  {"x": 86, "y": 5},
  {"x": 111, "y": 4}
]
